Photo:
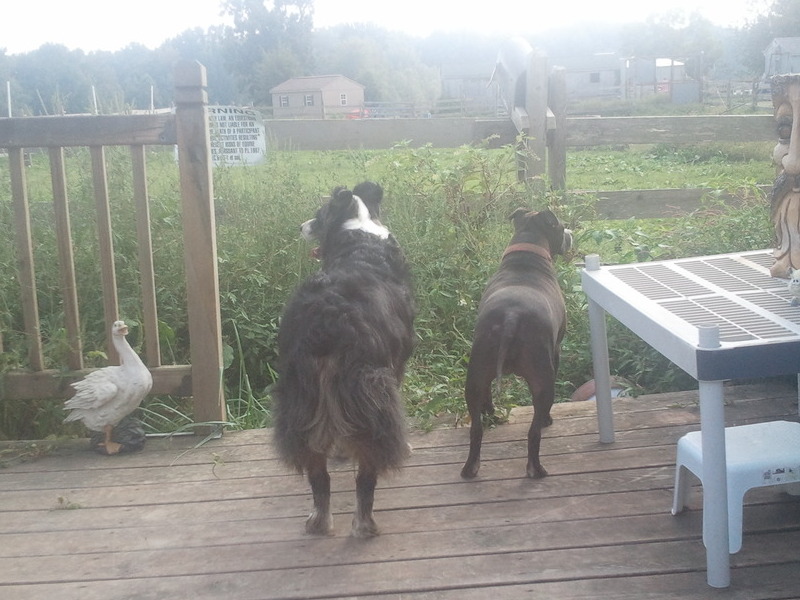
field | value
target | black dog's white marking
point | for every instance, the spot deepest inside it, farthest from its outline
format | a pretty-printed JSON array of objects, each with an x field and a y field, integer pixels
[{"x": 343, "y": 342}]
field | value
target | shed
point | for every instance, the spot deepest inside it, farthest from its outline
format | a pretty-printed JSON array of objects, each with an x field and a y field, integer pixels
[
  {"x": 469, "y": 84},
  {"x": 782, "y": 56},
  {"x": 648, "y": 76},
  {"x": 317, "y": 97},
  {"x": 598, "y": 75}
]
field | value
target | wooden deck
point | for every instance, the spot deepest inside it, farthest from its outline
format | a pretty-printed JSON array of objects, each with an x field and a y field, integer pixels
[{"x": 226, "y": 520}]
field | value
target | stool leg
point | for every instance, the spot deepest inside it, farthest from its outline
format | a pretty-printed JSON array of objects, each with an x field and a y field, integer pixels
[
  {"x": 681, "y": 493},
  {"x": 735, "y": 515}
]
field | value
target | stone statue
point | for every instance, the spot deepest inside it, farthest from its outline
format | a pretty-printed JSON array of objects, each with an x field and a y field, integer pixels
[{"x": 785, "y": 200}]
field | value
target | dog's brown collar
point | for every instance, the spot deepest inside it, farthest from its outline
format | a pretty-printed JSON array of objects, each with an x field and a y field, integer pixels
[{"x": 526, "y": 247}]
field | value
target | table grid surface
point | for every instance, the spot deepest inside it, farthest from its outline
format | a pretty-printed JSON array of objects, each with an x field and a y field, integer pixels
[{"x": 734, "y": 292}]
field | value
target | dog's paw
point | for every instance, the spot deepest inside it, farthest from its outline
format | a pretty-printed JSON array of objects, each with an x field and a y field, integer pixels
[
  {"x": 470, "y": 470},
  {"x": 536, "y": 471},
  {"x": 319, "y": 523},
  {"x": 364, "y": 528}
]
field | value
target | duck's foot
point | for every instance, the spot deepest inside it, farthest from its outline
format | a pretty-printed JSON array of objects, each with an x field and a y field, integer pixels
[{"x": 109, "y": 448}]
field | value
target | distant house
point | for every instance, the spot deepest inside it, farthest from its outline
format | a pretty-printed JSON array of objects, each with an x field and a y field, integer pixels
[
  {"x": 465, "y": 87},
  {"x": 317, "y": 97},
  {"x": 607, "y": 75},
  {"x": 648, "y": 76},
  {"x": 593, "y": 75},
  {"x": 782, "y": 56},
  {"x": 656, "y": 72}
]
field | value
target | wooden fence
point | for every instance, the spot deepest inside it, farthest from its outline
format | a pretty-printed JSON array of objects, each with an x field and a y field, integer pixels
[
  {"x": 551, "y": 134},
  {"x": 187, "y": 128},
  {"x": 564, "y": 132}
]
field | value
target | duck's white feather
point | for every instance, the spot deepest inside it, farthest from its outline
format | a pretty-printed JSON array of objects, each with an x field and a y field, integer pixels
[{"x": 105, "y": 396}]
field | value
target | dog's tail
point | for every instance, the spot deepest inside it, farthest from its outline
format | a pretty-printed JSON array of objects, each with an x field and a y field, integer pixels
[
  {"x": 506, "y": 335},
  {"x": 359, "y": 412}
]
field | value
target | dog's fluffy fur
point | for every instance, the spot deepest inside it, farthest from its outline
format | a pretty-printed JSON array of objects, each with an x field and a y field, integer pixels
[{"x": 344, "y": 340}]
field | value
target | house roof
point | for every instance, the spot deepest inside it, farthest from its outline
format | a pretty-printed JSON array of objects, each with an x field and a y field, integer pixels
[
  {"x": 314, "y": 83},
  {"x": 785, "y": 45}
]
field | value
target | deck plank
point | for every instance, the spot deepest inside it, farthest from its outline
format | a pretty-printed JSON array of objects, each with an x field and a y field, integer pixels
[{"x": 225, "y": 520}]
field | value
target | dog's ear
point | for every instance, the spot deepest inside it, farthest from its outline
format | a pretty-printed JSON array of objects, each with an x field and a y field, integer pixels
[
  {"x": 371, "y": 195},
  {"x": 548, "y": 219},
  {"x": 553, "y": 229},
  {"x": 369, "y": 191},
  {"x": 518, "y": 217},
  {"x": 342, "y": 197}
]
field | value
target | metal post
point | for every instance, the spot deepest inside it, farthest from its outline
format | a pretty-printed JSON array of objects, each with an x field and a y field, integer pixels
[
  {"x": 715, "y": 474},
  {"x": 602, "y": 376}
]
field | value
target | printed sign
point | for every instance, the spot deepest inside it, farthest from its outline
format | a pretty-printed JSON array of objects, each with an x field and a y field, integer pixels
[{"x": 238, "y": 136}]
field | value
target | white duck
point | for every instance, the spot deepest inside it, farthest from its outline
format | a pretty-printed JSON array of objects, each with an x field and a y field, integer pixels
[{"x": 105, "y": 396}]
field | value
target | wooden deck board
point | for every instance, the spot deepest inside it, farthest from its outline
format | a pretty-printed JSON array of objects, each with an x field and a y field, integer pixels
[{"x": 225, "y": 520}]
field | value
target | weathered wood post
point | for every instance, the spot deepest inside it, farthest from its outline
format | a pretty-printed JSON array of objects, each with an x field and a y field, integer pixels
[
  {"x": 145, "y": 253},
  {"x": 557, "y": 136},
  {"x": 108, "y": 275},
  {"x": 66, "y": 258},
  {"x": 200, "y": 241},
  {"x": 521, "y": 74},
  {"x": 535, "y": 158},
  {"x": 25, "y": 264}
]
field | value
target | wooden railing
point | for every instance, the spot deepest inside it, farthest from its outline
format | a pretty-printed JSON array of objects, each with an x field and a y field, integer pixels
[{"x": 188, "y": 129}]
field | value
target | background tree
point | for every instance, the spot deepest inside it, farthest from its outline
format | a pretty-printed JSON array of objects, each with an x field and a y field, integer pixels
[
  {"x": 275, "y": 66},
  {"x": 781, "y": 20},
  {"x": 53, "y": 81},
  {"x": 206, "y": 47},
  {"x": 263, "y": 33},
  {"x": 388, "y": 64},
  {"x": 690, "y": 38}
]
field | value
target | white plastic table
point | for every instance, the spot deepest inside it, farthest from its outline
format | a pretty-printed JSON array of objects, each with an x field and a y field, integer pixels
[{"x": 716, "y": 317}]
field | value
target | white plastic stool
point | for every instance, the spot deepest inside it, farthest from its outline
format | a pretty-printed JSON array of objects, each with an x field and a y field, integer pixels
[{"x": 757, "y": 455}]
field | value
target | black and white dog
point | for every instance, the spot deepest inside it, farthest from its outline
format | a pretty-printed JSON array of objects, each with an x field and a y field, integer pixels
[{"x": 343, "y": 343}]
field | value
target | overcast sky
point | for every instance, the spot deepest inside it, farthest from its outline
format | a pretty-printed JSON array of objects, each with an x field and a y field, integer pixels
[{"x": 110, "y": 24}]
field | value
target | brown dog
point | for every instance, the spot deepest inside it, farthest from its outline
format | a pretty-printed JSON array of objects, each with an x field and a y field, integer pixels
[{"x": 520, "y": 325}]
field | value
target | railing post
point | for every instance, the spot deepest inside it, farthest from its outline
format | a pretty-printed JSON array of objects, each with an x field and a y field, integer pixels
[
  {"x": 66, "y": 258},
  {"x": 108, "y": 272},
  {"x": 25, "y": 265},
  {"x": 557, "y": 137},
  {"x": 536, "y": 107},
  {"x": 200, "y": 241}
]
